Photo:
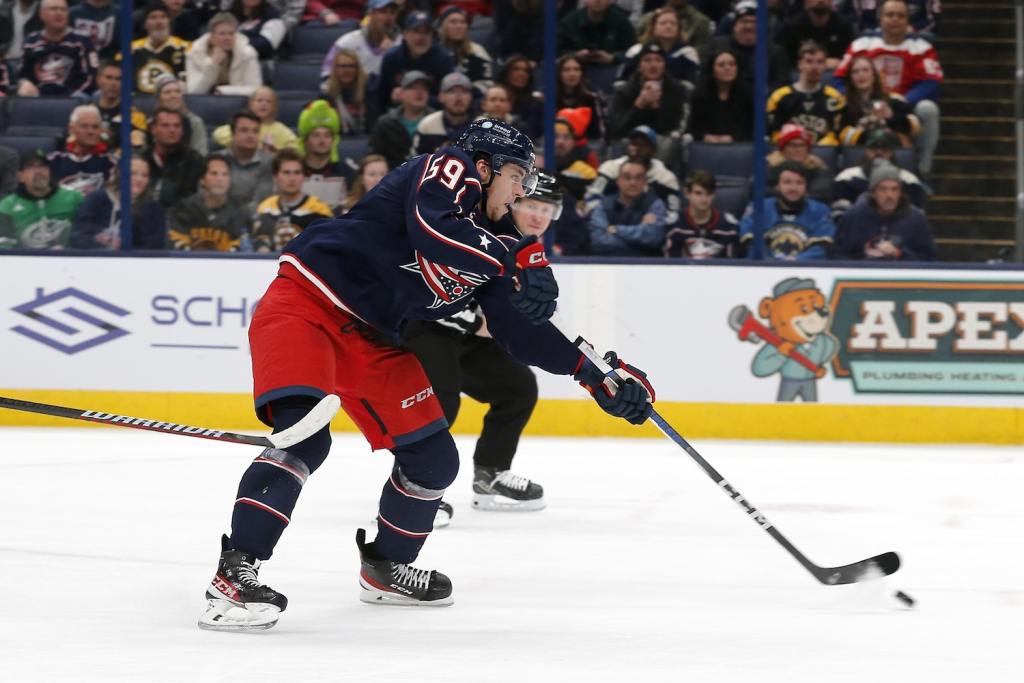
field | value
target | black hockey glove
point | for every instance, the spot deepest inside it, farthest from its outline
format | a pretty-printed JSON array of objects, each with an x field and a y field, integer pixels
[
  {"x": 629, "y": 398},
  {"x": 535, "y": 287}
]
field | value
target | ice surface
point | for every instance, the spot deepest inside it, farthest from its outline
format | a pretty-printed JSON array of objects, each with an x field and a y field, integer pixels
[{"x": 639, "y": 570}]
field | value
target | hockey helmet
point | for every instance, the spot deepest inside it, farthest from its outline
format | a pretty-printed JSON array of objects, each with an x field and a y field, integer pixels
[
  {"x": 549, "y": 192},
  {"x": 501, "y": 143}
]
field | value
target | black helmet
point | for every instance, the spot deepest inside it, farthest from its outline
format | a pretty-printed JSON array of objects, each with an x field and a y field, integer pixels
[
  {"x": 549, "y": 192},
  {"x": 501, "y": 143}
]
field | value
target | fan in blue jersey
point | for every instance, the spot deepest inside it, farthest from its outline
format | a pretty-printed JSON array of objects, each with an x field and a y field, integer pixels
[{"x": 433, "y": 232}]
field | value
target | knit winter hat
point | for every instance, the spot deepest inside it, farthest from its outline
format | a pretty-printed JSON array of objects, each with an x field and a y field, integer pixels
[
  {"x": 883, "y": 171},
  {"x": 319, "y": 114},
  {"x": 163, "y": 81},
  {"x": 578, "y": 119},
  {"x": 790, "y": 132}
]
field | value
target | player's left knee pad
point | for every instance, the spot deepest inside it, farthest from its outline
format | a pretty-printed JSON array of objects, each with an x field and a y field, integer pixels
[{"x": 432, "y": 462}]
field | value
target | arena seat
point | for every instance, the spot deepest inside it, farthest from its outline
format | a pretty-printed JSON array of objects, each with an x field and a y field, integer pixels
[
  {"x": 41, "y": 111},
  {"x": 144, "y": 103},
  {"x": 732, "y": 199},
  {"x": 904, "y": 158},
  {"x": 601, "y": 77},
  {"x": 215, "y": 110},
  {"x": 297, "y": 76},
  {"x": 353, "y": 148},
  {"x": 27, "y": 143},
  {"x": 829, "y": 154},
  {"x": 734, "y": 160},
  {"x": 315, "y": 41},
  {"x": 289, "y": 108}
]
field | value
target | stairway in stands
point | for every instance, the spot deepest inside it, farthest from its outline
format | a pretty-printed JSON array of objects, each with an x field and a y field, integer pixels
[{"x": 972, "y": 210}]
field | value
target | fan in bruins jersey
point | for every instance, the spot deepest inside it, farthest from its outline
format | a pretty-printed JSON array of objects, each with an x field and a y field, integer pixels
[
  {"x": 808, "y": 102},
  {"x": 159, "y": 53},
  {"x": 282, "y": 216}
]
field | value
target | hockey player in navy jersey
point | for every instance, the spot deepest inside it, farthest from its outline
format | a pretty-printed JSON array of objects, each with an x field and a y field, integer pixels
[{"x": 433, "y": 232}]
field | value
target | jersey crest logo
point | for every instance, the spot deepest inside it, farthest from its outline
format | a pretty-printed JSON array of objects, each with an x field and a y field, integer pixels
[{"x": 447, "y": 284}]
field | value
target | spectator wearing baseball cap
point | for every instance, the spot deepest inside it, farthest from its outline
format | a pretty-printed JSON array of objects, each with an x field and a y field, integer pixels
[
  {"x": 740, "y": 41},
  {"x": 392, "y": 134},
  {"x": 882, "y": 225},
  {"x": 38, "y": 214},
  {"x": 446, "y": 126},
  {"x": 598, "y": 32},
  {"x": 378, "y": 34},
  {"x": 880, "y": 147},
  {"x": 794, "y": 145},
  {"x": 650, "y": 97},
  {"x": 642, "y": 143},
  {"x": 469, "y": 57},
  {"x": 418, "y": 51}
]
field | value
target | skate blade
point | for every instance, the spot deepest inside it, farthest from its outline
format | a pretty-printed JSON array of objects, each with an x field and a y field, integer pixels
[
  {"x": 493, "y": 502},
  {"x": 222, "y": 615},
  {"x": 373, "y": 596}
]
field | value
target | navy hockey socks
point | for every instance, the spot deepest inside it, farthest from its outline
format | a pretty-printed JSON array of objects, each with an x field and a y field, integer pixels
[
  {"x": 270, "y": 487},
  {"x": 411, "y": 495}
]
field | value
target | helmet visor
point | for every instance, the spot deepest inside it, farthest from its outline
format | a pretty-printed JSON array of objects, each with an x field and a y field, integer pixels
[{"x": 529, "y": 179}]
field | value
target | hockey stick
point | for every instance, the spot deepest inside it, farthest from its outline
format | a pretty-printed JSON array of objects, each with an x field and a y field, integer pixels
[
  {"x": 883, "y": 564},
  {"x": 314, "y": 421}
]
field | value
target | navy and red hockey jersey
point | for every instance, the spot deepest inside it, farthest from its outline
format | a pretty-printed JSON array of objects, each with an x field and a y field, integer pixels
[
  {"x": 83, "y": 173},
  {"x": 415, "y": 248},
  {"x": 62, "y": 68}
]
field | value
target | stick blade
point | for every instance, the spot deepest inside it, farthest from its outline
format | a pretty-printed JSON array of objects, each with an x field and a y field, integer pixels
[
  {"x": 865, "y": 570},
  {"x": 315, "y": 420}
]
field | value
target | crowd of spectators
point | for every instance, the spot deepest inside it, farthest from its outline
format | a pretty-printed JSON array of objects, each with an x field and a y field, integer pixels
[{"x": 654, "y": 102}]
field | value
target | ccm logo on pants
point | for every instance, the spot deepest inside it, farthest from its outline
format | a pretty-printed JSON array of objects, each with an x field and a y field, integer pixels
[{"x": 421, "y": 396}]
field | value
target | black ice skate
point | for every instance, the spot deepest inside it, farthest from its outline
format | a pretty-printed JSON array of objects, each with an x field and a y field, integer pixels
[
  {"x": 235, "y": 599},
  {"x": 392, "y": 583},
  {"x": 495, "y": 489},
  {"x": 444, "y": 515}
]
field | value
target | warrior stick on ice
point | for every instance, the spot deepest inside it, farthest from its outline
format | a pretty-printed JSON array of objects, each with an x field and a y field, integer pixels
[
  {"x": 879, "y": 565},
  {"x": 319, "y": 416}
]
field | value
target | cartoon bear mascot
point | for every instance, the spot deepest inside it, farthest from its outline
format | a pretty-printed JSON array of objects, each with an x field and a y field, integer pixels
[{"x": 797, "y": 342}]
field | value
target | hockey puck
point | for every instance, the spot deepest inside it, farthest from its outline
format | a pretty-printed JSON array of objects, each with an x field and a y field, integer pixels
[{"x": 904, "y": 598}]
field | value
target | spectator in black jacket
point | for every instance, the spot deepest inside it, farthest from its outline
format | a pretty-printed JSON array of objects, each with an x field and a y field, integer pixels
[
  {"x": 651, "y": 97},
  {"x": 883, "y": 225},
  {"x": 392, "y": 134},
  {"x": 417, "y": 52},
  {"x": 723, "y": 106},
  {"x": 820, "y": 24},
  {"x": 174, "y": 167},
  {"x": 597, "y": 32},
  {"x": 517, "y": 76},
  {"x": 469, "y": 57},
  {"x": 741, "y": 43},
  {"x": 261, "y": 23},
  {"x": 571, "y": 92}
]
